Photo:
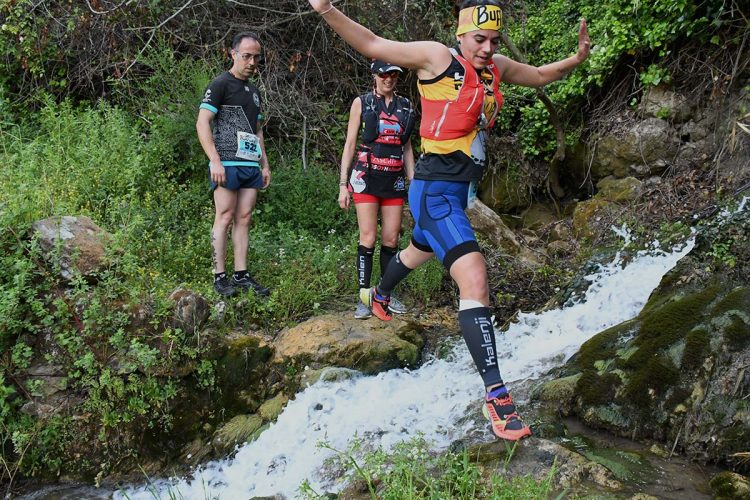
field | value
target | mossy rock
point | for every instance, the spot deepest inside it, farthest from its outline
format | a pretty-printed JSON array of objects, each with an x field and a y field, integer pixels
[
  {"x": 603, "y": 346},
  {"x": 730, "y": 486},
  {"x": 273, "y": 407},
  {"x": 244, "y": 364},
  {"x": 650, "y": 382},
  {"x": 237, "y": 431},
  {"x": 737, "y": 334},
  {"x": 619, "y": 190},
  {"x": 586, "y": 213},
  {"x": 736, "y": 300},
  {"x": 595, "y": 389},
  {"x": 559, "y": 393},
  {"x": 504, "y": 190},
  {"x": 608, "y": 416},
  {"x": 697, "y": 349},
  {"x": 662, "y": 326}
]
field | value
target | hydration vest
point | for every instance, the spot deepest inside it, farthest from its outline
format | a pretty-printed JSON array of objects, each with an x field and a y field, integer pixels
[
  {"x": 446, "y": 119},
  {"x": 384, "y": 135}
]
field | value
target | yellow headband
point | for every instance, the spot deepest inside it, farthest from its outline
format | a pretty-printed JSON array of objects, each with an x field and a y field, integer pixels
[{"x": 479, "y": 17}]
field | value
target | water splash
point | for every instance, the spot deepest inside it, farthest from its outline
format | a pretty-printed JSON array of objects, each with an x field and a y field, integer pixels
[{"x": 397, "y": 405}]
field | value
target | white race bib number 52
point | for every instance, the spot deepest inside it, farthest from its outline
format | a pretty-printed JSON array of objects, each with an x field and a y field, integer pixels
[{"x": 248, "y": 146}]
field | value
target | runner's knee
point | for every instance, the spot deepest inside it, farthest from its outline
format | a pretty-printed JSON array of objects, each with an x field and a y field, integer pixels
[
  {"x": 243, "y": 218},
  {"x": 224, "y": 218},
  {"x": 367, "y": 238}
]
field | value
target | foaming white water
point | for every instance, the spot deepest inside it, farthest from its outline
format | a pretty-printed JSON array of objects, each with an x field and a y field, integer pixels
[{"x": 394, "y": 406}]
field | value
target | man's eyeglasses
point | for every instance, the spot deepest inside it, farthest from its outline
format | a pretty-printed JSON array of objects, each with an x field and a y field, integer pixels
[
  {"x": 391, "y": 74},
  {"x": 246, "y": 56}
]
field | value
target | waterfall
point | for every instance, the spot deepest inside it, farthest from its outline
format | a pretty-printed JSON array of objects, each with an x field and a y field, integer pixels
[{"x": 433, "y": 400}]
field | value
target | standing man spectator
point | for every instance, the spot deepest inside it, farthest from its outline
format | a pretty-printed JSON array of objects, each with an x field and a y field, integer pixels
[{"x": 238, "y": 165}]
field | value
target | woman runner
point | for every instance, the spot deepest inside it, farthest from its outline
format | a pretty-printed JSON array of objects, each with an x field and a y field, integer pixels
[{"x": 375, "y": 172}]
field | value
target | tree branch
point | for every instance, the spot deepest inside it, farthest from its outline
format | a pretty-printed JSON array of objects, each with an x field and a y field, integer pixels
[{"x": 553, "y": 180}]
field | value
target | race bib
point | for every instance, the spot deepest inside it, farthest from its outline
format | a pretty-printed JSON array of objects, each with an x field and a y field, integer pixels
[
  {"x": 248, "y": 146},
  {"x": 471, "y": 196},
  {"x": 357, "y": 180}
]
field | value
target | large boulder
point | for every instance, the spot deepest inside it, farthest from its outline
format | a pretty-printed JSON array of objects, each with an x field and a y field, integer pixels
[
  {"x": 369, "y": 346},
  {"x": 678, "y": 373},
  {"x": 487, "y": 223},
  {"x": 620, "y": 190},
  {"x": 504, "y": 190},
  {"x": 661, "y": 102},
  {"x": 730, "y": 486},
  {"x": 76, "y": 244},
  {"x": 643, "y": 150}
]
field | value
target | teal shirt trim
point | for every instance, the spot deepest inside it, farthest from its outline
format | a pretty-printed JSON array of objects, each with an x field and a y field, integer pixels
[
  {"x": 239, "y": 163},
  {"x": 209, "y": 107}
]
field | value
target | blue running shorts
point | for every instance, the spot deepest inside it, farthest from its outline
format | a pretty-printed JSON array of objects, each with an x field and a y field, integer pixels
[
  {"x": 440, "y": 223},
  {"x": 239, "y": 177}
]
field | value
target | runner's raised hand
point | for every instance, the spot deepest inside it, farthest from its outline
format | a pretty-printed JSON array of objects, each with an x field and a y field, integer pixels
[{"x": 584, "y": 44}]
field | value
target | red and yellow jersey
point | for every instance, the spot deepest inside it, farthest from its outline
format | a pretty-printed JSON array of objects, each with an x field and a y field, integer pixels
[{"x": 457, "y": 109}]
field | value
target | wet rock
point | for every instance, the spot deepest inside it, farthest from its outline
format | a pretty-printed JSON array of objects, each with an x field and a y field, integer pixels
[
  {"x": 619, "y": 190},
  {"x": 76, "y": 244},
  {"x": 243, "y": 367},
  {"x": 558, "y": 393},
  {"x": 339, "y": 340},
  {"x": 328, "y": 374},
  {"x": 537, "y": 458},
  {"x": 729, "y": 485},
  {"x": 195, "y": 452},
  {"x": 190, "y": 312},
  {"x": 273, "y": 407},
  {"x": 239, "y": 430}
]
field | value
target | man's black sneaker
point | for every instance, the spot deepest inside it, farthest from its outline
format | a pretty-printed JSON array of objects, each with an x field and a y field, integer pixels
[
  {"x": 224, "y": 287},
  {"x": 246, "y": 282}
]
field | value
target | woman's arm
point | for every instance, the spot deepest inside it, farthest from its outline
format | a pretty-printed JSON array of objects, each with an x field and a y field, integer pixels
[
  {"x": 350, "y": 147},
  {"x": 530, "y": 76},
  {"x": 428, "y": 58}
]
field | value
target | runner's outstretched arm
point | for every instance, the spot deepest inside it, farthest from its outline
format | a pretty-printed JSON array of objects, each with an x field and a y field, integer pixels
[
  {"x": 428, "y": 58},
  {"x": 530, "y": 76}
]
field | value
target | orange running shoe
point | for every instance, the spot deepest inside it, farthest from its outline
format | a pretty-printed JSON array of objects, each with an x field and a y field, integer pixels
[
  {"x": 501, "y": 412},
  {"x": 376, "y": 302}
]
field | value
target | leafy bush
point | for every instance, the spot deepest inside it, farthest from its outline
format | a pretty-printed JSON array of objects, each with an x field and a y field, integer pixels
[{"x": 619, "y": 29}]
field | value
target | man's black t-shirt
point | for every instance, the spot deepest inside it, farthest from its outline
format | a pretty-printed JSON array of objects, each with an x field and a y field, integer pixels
[{"x": 237, "y": 106}]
